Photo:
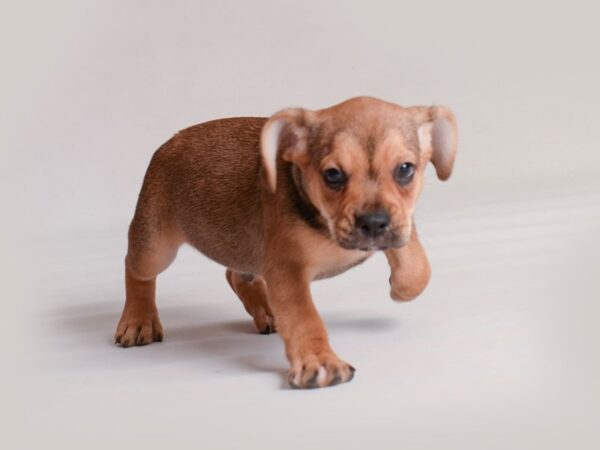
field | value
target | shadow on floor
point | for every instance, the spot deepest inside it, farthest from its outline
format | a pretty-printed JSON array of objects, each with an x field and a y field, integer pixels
[{"x": 203, "y": 335}]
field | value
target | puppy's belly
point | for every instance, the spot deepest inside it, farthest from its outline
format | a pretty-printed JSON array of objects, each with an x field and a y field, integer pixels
[{"x": 238, "y": 252}]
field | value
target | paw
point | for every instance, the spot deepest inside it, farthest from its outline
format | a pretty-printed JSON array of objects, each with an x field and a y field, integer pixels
[
  {"x": 136, "y": 331},
  {"x": 405, "y": 292},
  {"x": 264, "y": 322},
  {"x": 323, "y": 370},
  {"x": 252, "y": 291}
]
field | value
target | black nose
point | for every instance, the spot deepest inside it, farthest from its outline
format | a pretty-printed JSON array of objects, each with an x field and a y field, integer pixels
[{"x": 374, "y": 224}]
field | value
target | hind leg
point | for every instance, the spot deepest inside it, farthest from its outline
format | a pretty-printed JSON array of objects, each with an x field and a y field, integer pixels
[
  {"x": 150, "y": 252},
  {"x": 252, "y": 291}
]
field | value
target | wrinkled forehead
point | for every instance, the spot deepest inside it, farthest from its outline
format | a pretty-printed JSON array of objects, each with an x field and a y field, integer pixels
[{"x": 369, "y": 149}]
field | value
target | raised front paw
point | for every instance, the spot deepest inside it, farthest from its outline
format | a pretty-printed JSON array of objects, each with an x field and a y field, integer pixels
[
  {"x": 138, "y": 330},
  {"x": 322, "y": 370}
]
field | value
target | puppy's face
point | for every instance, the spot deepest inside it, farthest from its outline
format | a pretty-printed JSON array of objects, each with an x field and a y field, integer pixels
[{"x": 361, "y": 164}]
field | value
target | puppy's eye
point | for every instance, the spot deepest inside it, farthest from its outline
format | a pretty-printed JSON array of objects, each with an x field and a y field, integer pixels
[
  {"x": 335, "y": 178},
  {"x": 404, "y": 173}
]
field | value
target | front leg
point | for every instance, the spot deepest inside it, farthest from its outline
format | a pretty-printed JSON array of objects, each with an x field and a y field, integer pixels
[
  {"x": 313, "y": 363},
  {"x": 410, "y": 269}
]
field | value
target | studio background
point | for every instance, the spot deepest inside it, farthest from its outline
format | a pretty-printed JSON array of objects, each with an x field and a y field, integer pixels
[{"x": 500, "y": 351}]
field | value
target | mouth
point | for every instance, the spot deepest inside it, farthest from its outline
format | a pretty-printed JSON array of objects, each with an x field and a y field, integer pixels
[{"x": 371, "y": 244}]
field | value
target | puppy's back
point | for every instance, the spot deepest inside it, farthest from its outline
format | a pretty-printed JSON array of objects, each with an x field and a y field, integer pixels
[{"x": 206, "y": 182}]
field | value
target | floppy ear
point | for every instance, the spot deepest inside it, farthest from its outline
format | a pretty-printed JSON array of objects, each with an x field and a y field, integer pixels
[
  {"x": 438, "y": 133},
  {"x": 285, "y": 134}
]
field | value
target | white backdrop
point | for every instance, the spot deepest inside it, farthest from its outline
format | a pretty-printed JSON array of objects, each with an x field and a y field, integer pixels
[
  {"x": 91, "y": 89},
  {"x": 94, "y": 89}
]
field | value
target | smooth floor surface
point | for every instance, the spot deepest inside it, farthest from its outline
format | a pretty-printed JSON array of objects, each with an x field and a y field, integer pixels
[{"x": 499, "y": 352}]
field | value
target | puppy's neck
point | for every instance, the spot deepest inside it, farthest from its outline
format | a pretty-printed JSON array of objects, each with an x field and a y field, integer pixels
[{"x": 302, "y": 205}]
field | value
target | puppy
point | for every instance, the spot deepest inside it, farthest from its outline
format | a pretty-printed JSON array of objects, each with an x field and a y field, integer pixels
[{"x": 283, "y": 201}]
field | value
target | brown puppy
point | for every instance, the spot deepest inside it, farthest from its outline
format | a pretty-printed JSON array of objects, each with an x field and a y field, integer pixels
[{"x": 281, "y": 202}]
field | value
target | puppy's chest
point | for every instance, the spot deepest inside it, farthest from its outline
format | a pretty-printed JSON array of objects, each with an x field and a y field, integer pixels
[{"x": 325, "y": 258}]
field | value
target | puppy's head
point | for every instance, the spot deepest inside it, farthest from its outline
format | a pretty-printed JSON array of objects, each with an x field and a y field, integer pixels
[{"x": 361, "y": 164}]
